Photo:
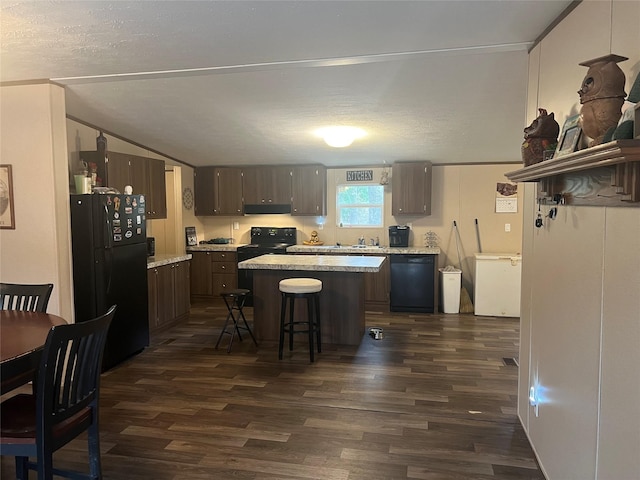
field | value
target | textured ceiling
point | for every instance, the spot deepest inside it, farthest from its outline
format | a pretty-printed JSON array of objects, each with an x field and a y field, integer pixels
[{"x": 241, "y": 82}]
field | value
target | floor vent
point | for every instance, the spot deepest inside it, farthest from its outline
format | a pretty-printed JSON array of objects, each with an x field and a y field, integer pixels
[{"x": 510, "y": 361}]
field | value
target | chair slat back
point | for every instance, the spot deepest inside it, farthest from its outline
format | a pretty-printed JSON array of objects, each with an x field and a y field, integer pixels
[
  {"x": 69, "y": 375},
  {"x": 32, "y": 298}
]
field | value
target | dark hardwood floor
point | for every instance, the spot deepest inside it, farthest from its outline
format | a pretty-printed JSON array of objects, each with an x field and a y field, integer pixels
[{"x": 431, "y": 400}]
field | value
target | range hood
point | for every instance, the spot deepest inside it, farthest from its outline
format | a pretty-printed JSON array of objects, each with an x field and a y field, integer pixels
[{"x": 267, "y": 208}]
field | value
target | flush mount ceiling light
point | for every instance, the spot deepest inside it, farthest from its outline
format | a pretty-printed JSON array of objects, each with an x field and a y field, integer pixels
[{"x": 340, "y": 137}]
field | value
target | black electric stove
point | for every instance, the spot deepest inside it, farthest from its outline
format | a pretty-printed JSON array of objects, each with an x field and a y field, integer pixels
[{"x": 264, "y": 240}]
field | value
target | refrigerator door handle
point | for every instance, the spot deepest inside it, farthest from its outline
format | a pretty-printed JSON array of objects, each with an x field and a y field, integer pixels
[
  {"x": 108, "y": 240},
  {"x": 108, "y": 267},
  {"x": 108, "y": 246}
]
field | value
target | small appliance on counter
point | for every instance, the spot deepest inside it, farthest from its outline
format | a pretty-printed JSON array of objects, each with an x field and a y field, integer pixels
[
  {"x": 151, "y": 246},
  {"x": 399, "y": 235}
]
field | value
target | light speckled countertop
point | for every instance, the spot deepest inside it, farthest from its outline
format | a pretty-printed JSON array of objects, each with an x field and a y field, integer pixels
[
  {"x": 333, "y": 249},
  {"x": 166, "y": 259},
  {"x": 215, "y": 247},
  {"x": 317, "y": 263},
  {"x": 366, "y": 249}
]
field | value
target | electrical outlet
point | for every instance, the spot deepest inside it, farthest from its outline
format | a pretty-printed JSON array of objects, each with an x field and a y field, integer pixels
[
  {"x": 236, "y": 225},
  {"x": 507, "y": 227}
]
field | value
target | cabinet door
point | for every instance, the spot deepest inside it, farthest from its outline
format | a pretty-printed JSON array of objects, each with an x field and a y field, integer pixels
[
  {"x": 139, "y": 178},
  {"x": 224, "y": 269},
  {"x": 157, "y": 203},
  {"x": 255, "y": 185},
  {"x": 411, "y": 188},
  {"x": 147, "y": 177},
  {"x": 281, "y": 185},
  {"x": 152, "y": 285},
  {"x": 117, "y": 171},
  {"x": 309, "y": 190},
  {"x": 376, "y": 288},
  {"x": 223, "y": 282},
  {"x": 201, "y": 274},
  {"x": 229, "y": 191},
  {"x": 205, "y": 181},
  {"x": 266, "y": 185},
  {"x": 182, "y": 296},
  {"x": 165, "y": 294}
]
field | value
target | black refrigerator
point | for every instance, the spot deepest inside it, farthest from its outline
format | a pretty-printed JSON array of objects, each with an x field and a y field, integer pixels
[{"x": 109, "y": 247}]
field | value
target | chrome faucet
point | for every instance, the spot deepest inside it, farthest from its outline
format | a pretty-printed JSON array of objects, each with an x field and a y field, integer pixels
[{"x": 361, "y": 240}]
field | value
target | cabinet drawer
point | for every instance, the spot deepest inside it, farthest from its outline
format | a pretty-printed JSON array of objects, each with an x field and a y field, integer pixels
[
  {"x": 224, "y": 267},
  {"x": 223, "y": 282},
  {"x": 223, "y": 257}
]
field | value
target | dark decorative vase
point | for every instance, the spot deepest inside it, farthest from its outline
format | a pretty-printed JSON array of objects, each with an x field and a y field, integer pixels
[
  {"x": 540, "y": 136},
  {"x": 601, "y": 95}
]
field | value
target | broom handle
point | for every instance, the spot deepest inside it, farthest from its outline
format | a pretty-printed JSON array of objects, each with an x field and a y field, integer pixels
[{"x": 455, "y": 227}]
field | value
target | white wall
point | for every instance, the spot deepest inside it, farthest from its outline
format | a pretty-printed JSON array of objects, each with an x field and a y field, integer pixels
[
  {"x": 33, "y": 132},
  {"x": 580, "y": 321}
]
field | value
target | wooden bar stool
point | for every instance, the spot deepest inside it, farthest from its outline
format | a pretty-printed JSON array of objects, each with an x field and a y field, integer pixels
[
  {"x": 308, "y": 288},
  {"x": 234, "y": 300}
]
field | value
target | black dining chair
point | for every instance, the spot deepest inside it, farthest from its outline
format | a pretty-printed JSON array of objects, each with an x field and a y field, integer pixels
[
  {"x": 65, "y": 403},
  {"x": 33, "y": 298}
]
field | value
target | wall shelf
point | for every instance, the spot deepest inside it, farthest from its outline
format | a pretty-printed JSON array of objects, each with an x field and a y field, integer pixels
[{"x": 619, "y": 159}]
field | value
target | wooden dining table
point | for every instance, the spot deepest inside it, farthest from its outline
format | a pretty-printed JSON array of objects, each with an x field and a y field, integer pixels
[{"x": 22, "y": 337}]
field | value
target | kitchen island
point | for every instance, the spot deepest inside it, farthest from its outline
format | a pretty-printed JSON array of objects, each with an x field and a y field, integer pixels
[{"x": 341, "y": 300}]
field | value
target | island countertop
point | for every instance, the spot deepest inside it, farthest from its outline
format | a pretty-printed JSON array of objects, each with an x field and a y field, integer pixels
[
  {"x": 363, "y": 250},
  {"x": 317, "y": 263}
]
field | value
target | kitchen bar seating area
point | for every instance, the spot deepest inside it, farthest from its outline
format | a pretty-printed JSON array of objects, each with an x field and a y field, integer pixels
[{"x": 434, "y": 398}]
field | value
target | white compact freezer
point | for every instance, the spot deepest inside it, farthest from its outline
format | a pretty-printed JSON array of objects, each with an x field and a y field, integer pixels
[{"x": 497, "y": 284}]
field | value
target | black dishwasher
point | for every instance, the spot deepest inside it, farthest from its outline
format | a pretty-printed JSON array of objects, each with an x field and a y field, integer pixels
[{"x": 412, "y": 283}]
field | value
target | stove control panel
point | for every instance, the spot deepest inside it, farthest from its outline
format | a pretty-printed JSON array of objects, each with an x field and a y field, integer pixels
[{"x": 270, "y": 235}]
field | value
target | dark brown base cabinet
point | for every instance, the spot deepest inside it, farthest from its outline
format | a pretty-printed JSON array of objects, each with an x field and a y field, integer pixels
[
  {"x": 377, "y": 288},
  {"x": 169, "y": 295},
  {"x": 213, "y": 273}
]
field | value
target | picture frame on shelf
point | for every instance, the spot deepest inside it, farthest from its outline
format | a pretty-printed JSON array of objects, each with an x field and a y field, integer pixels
[
  {"x": 570, "y": 137},
  {"x": 7, "y": 216},
  {"x": 190, "y": 235}
]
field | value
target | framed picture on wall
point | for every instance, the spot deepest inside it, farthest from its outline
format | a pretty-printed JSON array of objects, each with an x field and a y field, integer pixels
[
  {"x": 569, "y": 137},
  {"x": 7, "y": 219}
]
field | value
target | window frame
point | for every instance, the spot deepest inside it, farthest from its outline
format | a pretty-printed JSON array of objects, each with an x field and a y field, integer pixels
[{"x": 339, "y": 207}]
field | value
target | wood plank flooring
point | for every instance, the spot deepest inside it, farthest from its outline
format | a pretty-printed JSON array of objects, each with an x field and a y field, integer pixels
[{"x": 432, "y": 400}]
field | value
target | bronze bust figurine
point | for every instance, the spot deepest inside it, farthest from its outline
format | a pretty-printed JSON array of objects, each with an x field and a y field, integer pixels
[
  {"x": 540, "y": 136},
  {"x": 601, "y": 95}
]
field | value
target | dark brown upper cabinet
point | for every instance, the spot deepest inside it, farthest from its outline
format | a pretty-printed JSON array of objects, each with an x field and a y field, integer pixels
[
  {"x": 411, "y": 188},
  {"x": 218, "y": 191}
]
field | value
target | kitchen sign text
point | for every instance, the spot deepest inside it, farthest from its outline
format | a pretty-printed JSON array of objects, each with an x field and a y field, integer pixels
[{"x": 359, "y": 175}]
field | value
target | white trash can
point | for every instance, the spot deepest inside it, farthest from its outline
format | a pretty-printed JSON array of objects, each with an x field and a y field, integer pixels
[{"x": 450, "y": 284}]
